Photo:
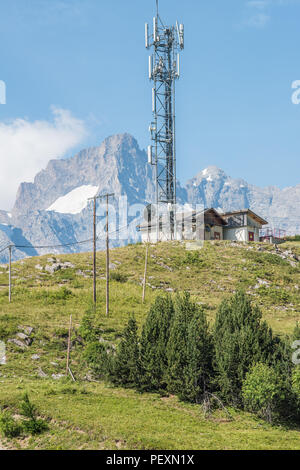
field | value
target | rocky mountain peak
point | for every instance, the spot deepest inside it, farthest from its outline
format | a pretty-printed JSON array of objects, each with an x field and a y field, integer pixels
[{"x": 54, "y": 209}]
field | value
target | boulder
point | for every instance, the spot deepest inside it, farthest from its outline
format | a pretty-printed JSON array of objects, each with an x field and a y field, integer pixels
[{"x": 18, "y": 343}]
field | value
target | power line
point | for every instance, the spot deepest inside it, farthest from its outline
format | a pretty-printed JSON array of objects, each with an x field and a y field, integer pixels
[
  {"x": 3, "y": 249},
  {"x": 62, "y": 245}
]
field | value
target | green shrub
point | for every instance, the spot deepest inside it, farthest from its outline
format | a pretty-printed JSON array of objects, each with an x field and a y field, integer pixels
[
  {"x": 296, "y": 238},
  {"x": 51, "y": 296},
  {"x": 296, "y": 384},
  {"x": 9, "y": 427},
  {"x": 99, "y": 358},
  {"x": 277, "y": 295},
  {"x": 263, "y": 391},
  {"x": 7, "y": 331},
  {"x": 266, "y": 258},
  {"x": 296, "y": 332},
  {"x": 32, "y": 425},
  {"x": 191, "y": 258},
  {"x": 89, "y": 330},
  {"x": 118, "y": 277}
]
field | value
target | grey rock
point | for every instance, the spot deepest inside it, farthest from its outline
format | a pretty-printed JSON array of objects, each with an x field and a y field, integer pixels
[
  {"x": 41, "y": 373},
  {"x": 18, "y": 343},
  {"x": 57, "y": 376},
  {"x": 35, "y": 357},
  {"x": 53, "y": 268},
  {"x": 26, "y": 329},
  {"x": 27, "y": 340}
]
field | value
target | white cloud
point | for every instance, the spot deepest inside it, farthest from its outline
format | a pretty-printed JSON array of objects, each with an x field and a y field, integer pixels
[
  {"x": 258, "y": 12},
  {"x": 259, "y": 4},
  {"x": 26, "y": 147},
  {"x": 258, "y": 20}
]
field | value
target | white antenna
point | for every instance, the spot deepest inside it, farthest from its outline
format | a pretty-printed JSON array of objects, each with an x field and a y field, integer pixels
[
  {"x": 153, "y": 100},
  {"x": 150, "y": 67},
  {"x": 178, "y": 65},
  {"x": 147, "y": 36},
  {"x": 181, "y": 36},
  {"x": 150, "y": 159}
]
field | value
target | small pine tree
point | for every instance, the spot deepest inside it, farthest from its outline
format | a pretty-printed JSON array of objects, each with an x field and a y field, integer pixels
[
  {"x": 189, "y": 351},
  {"x": 198, "y": 372},
  {"x": 126, "y": 364},
  {"x": 241, "y": 339},
  {"x": 154, "y": 341},
  {"x": 33, "y": 424}
]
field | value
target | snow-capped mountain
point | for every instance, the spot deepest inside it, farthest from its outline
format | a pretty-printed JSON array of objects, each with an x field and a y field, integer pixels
[
  {"x": 214, "y": 188},
  {"x": 54, "y": 209}
]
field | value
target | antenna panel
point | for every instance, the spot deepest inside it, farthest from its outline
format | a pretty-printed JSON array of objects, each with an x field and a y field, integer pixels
[
  {"x": 150, "y": 67},
  {"x": 147, "y": 36},
  {"x": 150, "y": 155}
]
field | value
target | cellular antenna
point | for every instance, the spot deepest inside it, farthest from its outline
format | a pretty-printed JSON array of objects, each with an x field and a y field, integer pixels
[{"x": 166, "y": 43}]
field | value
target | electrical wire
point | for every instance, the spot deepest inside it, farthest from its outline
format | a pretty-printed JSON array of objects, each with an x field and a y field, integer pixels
[
  {"x": 63, "y": 245},
  {"x": 3, "y": 249}
]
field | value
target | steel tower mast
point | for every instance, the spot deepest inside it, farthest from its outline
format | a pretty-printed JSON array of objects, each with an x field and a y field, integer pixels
[{"x": 164, "y": 69}]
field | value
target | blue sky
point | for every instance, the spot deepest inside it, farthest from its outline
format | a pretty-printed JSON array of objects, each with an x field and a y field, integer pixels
[{"x": 76, "y": 72}]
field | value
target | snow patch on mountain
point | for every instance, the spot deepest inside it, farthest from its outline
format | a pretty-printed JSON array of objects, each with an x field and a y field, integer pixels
[{"x": 75, "y": 201}]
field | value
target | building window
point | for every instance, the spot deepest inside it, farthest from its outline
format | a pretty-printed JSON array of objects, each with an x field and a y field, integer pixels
[{"x": 217, "y": 236}]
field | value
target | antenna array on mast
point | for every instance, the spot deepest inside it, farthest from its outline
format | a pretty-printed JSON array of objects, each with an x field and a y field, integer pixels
[{"x": 166, "y": 43}]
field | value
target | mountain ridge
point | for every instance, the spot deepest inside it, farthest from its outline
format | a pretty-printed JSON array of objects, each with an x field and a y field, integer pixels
[{"x": 118, "y": 165}]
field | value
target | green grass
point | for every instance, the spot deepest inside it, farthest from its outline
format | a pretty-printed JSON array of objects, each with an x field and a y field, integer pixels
[{"x": 95, "y": 416}]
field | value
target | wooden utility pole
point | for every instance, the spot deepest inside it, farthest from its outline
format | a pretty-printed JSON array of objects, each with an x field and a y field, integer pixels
[
  {"x": 145, "y": 272},
  {"x": 107, "y": 196},
  {"x": 94, "y": 199},
  {"x": 107, "y": 259},
  {"x": 94, "y": 254},
  {"x": 9, "y": 275},
  {"x": 69, "y": 345}
]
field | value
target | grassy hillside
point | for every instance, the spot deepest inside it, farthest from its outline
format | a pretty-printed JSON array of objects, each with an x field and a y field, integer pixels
[{"x": 94, "y": 415}]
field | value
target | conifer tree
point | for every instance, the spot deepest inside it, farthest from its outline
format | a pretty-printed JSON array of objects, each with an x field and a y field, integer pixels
[
  {"x": 126, "y": 364},
  {"x": 241, "y": 340},
  {"x": 154, "y": 341},
  {"x": 198, "y": 372},
  {"x": 189, "y": 351}
]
